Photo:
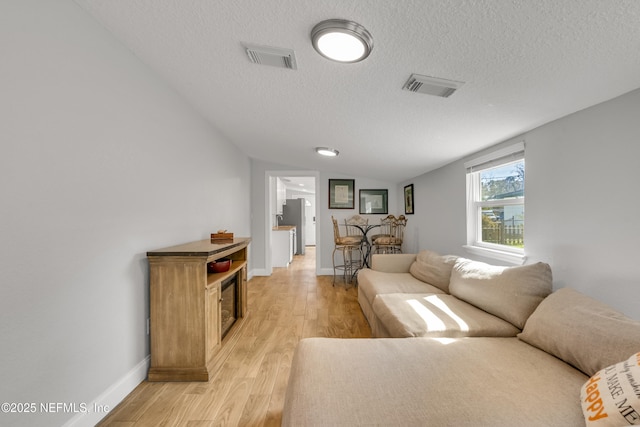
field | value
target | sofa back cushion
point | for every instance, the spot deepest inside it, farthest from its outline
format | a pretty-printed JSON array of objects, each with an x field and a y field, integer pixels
[
  {"x": 392, "y": 263},
  {"x": 511, "y": 293},
  {"x": 583, "y": 332},
  {"x": 433, "y": 268}
]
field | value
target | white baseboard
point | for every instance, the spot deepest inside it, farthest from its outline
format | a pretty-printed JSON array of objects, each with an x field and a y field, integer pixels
[
  {"x": 259, "y": 272},
  {"x": 325, "y": 272},
  {"x": 103, "y": 404}
]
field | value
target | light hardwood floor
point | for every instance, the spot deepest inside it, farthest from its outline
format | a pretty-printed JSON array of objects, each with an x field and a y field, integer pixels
[{"x": 255, "y": 359}]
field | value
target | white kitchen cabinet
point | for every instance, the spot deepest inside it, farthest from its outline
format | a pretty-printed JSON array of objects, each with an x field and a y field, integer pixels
[{"x": 282, "y": 245}]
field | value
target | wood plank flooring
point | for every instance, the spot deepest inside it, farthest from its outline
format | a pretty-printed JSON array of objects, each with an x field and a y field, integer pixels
[{"x": 254, "y": 362}]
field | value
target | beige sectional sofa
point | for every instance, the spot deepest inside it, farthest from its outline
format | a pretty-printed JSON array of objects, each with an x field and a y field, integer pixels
[
  {"x": 430, "y": 295},
  {"x": 495, "y": 348}
]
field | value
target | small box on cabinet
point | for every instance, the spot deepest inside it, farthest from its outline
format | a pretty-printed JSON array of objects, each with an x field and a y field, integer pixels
[{"x": 221, "y": 237}]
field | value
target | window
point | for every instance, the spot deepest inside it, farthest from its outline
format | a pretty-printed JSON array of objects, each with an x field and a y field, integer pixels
[{"x": 495, "y": 204}]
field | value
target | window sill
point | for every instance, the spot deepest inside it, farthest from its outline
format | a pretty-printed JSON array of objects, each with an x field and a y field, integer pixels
[{"x": 510, "y": 257}]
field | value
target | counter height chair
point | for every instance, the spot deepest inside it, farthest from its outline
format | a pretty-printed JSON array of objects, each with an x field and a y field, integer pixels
[
  {"x": 353, "y": 223},
  {"x": 391, "y": 235},
  {"x": 384, "y": 229},
  {"x": 349, "y": 247}
]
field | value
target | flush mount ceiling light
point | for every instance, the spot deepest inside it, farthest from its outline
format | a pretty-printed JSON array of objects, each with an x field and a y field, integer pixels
[
  {"x": 326, "y": 151},
  {"x": 341, "y": 40}
]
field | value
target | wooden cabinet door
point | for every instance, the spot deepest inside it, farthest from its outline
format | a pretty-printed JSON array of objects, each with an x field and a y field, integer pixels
[{"x": 212, "y": 313}]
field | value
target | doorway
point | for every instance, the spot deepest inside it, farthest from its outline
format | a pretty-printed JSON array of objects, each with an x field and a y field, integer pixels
[{"x": 284, "y": 185}]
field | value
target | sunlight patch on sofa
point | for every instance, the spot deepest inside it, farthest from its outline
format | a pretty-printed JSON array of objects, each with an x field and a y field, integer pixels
[
  {"x": 433, "y": 299},
  {"x": 433, "y": 322}
]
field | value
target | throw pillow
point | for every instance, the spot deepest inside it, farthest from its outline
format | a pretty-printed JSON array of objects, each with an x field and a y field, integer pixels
[
  {"x": 583, "y": 332},
  {"x": 511, "y": 293},
  {"x": 433, "y": 268},
  {"x": 612, "y": 396}
]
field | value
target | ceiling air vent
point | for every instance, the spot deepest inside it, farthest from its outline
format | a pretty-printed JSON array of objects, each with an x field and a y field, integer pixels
[
  {"x": 431, "y": 85},
  {"x": 274, "y": 56}
]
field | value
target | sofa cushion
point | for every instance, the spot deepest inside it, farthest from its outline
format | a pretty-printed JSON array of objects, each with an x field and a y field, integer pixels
[
  {"x": 437, "y": 315},
  {"x": 584, "y": 332},
  {"x": 511, "y": 293},
  {"x": 433, "y": 268},
  {"x": 612, "y": 396},
  {"x": 372, "y": 283},
  {"x": 429, "y": 382}
]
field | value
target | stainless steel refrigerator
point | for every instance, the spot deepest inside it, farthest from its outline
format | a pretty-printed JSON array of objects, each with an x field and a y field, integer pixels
[{"x": 293, "y": 214}]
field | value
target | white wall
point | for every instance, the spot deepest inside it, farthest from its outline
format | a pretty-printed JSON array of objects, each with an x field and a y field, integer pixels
[
  {"x": 100, "y": 162},
  {"x": 582, "y": 203}
]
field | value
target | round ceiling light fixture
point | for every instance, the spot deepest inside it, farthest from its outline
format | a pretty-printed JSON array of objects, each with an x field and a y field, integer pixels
[
  {"x": 341, "y": 40},
  {"x": 326, "y": 151}
]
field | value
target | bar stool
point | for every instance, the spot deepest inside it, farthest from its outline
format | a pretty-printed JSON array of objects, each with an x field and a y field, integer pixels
[
  {"x": 355, "y": 225},
  {"x": 350, "y": 248},
  {"x": 392, "y": 235}
]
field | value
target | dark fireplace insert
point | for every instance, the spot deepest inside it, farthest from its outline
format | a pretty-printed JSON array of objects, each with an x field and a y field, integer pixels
[{"x": 229, "y": 307}]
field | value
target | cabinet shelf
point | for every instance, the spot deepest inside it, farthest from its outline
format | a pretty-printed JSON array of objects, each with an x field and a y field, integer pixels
[{"x": 213, "y": 278}]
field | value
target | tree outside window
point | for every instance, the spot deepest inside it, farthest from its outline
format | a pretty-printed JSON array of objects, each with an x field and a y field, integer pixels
[{"x": 502, "y": 205}]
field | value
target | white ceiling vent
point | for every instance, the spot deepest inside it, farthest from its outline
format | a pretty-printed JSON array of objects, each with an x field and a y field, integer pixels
[
  {"x": 274, "y": 56},
  {"x": 431, "y": 85}
]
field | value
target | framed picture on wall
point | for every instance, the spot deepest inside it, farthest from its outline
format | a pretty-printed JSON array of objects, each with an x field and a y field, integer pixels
[
  {"x": 341, "y": 193},
  {"x": 374, "y": 201},
  {"x": 408, "y": 199}
]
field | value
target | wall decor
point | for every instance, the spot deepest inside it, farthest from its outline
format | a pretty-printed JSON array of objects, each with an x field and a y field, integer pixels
[
  {"x": 408, "y": 199},
  {"x": 374, "y": 201},
  {"x": 341, "y": 193}
]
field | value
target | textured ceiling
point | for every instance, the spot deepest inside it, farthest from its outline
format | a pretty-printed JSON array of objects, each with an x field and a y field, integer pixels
[{"x": 524, "y": 63}]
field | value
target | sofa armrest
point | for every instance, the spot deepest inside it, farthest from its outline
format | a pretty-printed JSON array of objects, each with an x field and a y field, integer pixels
[{"x": 392, "y": 263}]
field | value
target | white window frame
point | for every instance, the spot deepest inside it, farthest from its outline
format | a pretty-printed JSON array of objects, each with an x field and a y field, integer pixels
[{"x": 475, "y": 245}]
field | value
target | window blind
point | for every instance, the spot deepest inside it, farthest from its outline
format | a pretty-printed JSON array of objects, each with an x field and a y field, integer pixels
[{"x": 499, "y": 157}]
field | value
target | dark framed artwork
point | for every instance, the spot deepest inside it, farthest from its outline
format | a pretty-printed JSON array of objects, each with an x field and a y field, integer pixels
[
  {"x": 374, "y": 201},
  {"x": 341, "y": 193},
  {"x": 408, "y": 199}
]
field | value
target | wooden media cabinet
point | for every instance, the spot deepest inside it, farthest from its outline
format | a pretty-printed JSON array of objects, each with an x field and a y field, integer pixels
[{"x": 185, "y": 306}]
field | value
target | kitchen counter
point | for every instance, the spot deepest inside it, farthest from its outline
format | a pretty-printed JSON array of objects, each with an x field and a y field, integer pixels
[{"x": 284, "y": 228}]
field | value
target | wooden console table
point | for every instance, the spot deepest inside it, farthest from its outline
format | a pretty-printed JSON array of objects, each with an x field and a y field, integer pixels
[{"x": 185, "y": 314}]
